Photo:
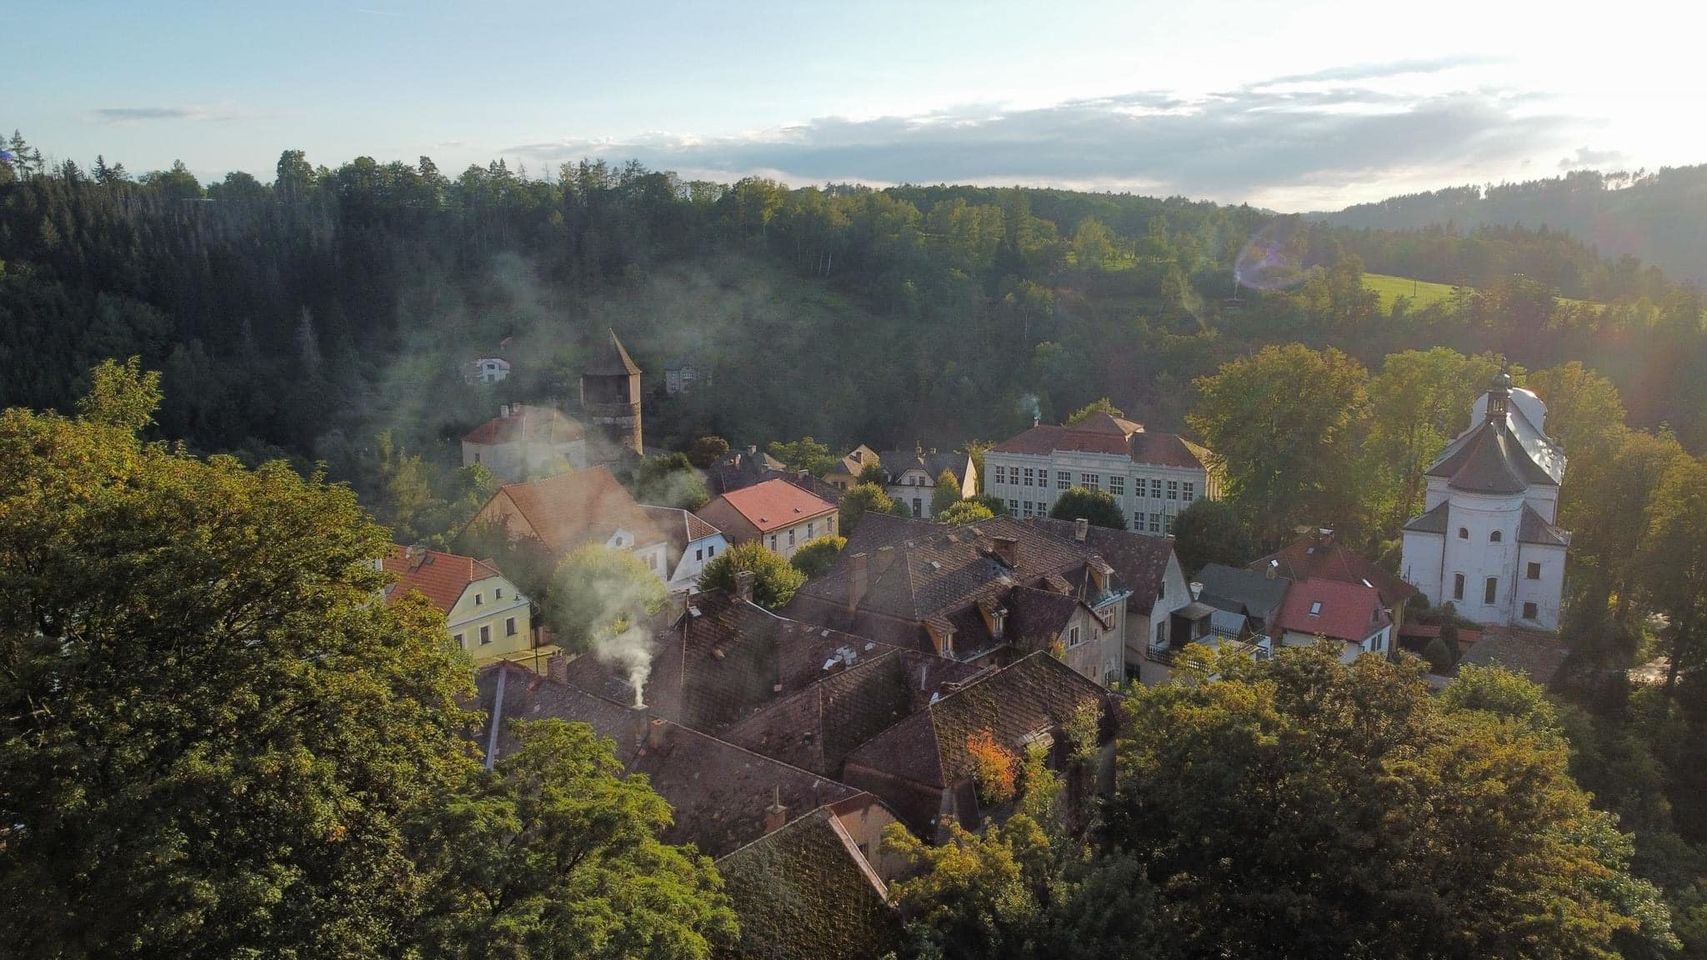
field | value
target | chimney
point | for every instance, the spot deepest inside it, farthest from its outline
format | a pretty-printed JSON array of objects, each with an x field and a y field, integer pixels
[
  {"x": 885, "y": 557},
  {"x": 752, "y": 449},
  {"x": 1081, "y": 529},
  {"x": 1036, "y": 419},
  {"x": 744, "y": 585},
  {"x": 776, "y": 814},
  {"x": 1006, "y": 550},
  {"x": 655, "y": 733},
  {"x": 557, "y": 667},
  {"x": 1272, "y": 570},
  {"x": 859, "y": 578},
  {"x": 1196, "y": 589}
]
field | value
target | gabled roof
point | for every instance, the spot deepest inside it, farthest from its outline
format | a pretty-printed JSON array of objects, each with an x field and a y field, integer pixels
[
  {"x": 1320, "y": 555},
  {"x": 805, "y": 890},
  {"x": 440, "y": 577},
  {"x": 534, "y": 424},
  {"x": 772, "y": 505},
  {"x": 717, "y": 790},
  {"x": 931, "y": 462},
  {"x": 1103, "y": 433},
  {"x": 1431, "y": 521},
  {"x": 815, "y": 728},
  {"x": 1532, "y": 529},
  {"x": 858, "y": 459},
  {"x": 1244, "y": 591},
  {"x": 1489, "y": 459},
  {"x": 1347, "y": 611},
  {"x": 1139, "y": 560},
  {"x": 580, "y": 506},
  {"x": 611, "y": 361},
  {"x": 682, "y": 527},
  {"x": 1033, "y": 695},
  {"x": 1536, "y": 656},
  {"x": 741, "y": 468}
]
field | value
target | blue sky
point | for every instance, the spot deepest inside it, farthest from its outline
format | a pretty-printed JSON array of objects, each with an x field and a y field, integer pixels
[{"x": 1300, "y": 105}]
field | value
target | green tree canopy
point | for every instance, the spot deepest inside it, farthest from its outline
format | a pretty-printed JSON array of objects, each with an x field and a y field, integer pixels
[
  {"x": 804, "y": 454},
  {"x": 598, "y": 594},
  {"x": 863, "y": 498},
  {"x": 775, "y": 579},
  {"x": 969, "y": 510},
  {"x": 1673, "y": 558},
  {"x": 1400, "y": 825},
  {"x": 946, "y": 493},
  {"x": 555, "y": 853},
  {"x": 706, "y": 451},
  {"x": 1101, "y": 405},
  {"x": 669, "y": 480},
  {"x": 1282, "y": 423},
  {"x": 214, "y": 735},
  {"x": 1097, "y": 506},
  {"x": 815, "y": 557},
  {"x": 1208, "y": 531}
]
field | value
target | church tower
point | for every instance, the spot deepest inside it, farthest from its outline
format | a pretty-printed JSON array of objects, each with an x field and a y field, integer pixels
[{"x": 610, "y": 395}]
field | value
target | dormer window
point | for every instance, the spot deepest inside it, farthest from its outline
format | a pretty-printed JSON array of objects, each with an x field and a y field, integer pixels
[{"x": 1315, "y": 608}]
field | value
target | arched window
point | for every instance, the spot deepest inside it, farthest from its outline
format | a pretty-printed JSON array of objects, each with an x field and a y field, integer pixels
[
  {"x": 1463, "y": 533},
  {"x": 1495, "y": 537}
]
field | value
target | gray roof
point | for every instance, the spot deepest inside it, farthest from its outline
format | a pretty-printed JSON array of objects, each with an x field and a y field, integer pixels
[
  {"x": 611, "y": 361},
  {"x": 1490, "y": 459},
  {"x": 1536, "y": 657},
  {"x": 1242, "y": 591},
  {"x": 1433, "y": 521},
  {"x": 1532, "y": 529}
]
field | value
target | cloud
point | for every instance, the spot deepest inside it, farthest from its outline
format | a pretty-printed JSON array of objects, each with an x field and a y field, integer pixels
[
  {"x": 1247, "y": 143},
  {"x": 145, "y": 114},
  {"x": 1586, "y": 157},
  {"x": 1379, "y": 71}
]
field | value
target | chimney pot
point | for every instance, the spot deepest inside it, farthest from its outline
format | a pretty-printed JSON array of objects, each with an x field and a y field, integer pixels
[
  {"x": 744, "y": 580},
  {"x": 557, "y": 667},
  {"x": 656, "y": 734},
  {"x": 1006, "y": 550},
  {"x": 1196, "y": 589},
  {"x": 1273, "y": 569},
  {"x": 1081, "y": 529},
  {"x": 776, "y": 815}
]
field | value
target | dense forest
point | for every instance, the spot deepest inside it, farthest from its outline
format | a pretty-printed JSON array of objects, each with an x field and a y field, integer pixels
[{"x": 1660, "y": 217}]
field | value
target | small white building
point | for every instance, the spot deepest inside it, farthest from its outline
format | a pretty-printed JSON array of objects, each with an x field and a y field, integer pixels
[
  {"x": 692, "y": 544},
  {"x": 1152, "y": 476},
  {"x": 913, "y": 475},
  {"x": 1350, "y": 613},
  {"x": 487, "y": 370},
  {"x": 1486, "y": 539},
  {"x": 525, "y": 441}
]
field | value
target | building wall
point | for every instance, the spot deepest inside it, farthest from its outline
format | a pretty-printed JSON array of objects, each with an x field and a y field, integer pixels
[
  {"x": 1141, "y": 630},
  {"x": 694, "y": 558},
  {"x": 495, "y": 605},
  {"x": 1101, "y": 654},
  {"x": 1432, "y": 563},
  {"x": 1143, "y": 494},
  {"x": 516, "y": 461},
  {"x": 1380, "y": 642},
  {"x": 787, "y": 540}
]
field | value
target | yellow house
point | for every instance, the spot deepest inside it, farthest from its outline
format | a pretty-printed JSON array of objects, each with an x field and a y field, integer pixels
[
  {"x": 484, "y": 612},
  {"x": 847, "y": 470}
]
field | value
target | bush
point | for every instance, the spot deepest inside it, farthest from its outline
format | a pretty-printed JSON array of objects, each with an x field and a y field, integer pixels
[
  {"x": 861, "y": 499},
  {"x": 775, "y": 581},
  {"x": 969, "y": 510},
  {"x": 1097, "y": 506},
  {"x": 815, "y": 556},
  {"x": 706, "y": 451}
]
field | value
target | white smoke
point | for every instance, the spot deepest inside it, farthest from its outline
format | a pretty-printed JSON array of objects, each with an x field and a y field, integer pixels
[{"x": 603, "y": 599}]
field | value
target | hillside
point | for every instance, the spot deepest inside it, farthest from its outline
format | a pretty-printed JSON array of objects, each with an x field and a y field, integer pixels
[{"x": 1659, "y": 217}]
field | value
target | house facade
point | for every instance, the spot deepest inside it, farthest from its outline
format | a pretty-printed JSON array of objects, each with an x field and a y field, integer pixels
[
  {"x": 1152, "y": 476},
  {"x": 912, "y": 476},
  {"x": 571, "y": 509},
  {"x": 487, "y": 370},
  {"x": 1487, "y": 540},
  {"x": 776, "y": 513},
  {"x": 525, "y": 441},
  {"x": 692, "y": 544},
  {"x": 847, "y": 470},
  {"x": 1147, "y": 567},
  {"x": 486, "y": 616},
  {"x": 1350, "y": 613}
]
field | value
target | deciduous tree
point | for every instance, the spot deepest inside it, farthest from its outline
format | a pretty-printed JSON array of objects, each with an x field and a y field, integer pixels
[
  {"x": 1097, "y": 506},
  {"x": 774, "y": 579}
]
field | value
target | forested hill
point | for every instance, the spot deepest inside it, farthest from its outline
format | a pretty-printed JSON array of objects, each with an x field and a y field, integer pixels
[
  {"x": 309, "y": 315},
  {"x": 1660, "y": 217}
]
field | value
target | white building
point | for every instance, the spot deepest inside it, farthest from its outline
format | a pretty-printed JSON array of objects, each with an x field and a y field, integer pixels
[
  {"x": 525, "y": 441},
  {"x": 692, "y": 544},
  {"x": 913, "y": 474},
  {"x": 1152, "y": 476},
  {"x": 487, "y": 370},
  {"x": 1486, "y": 540}
]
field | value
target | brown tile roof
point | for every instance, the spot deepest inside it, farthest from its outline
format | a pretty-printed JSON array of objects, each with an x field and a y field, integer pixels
[
  {"x": 440, "y": 577},
  {"x": 682, "y": 527},
  {"x": 1537, "y": 656},
  {"x": 771, "y": 505},
  {"x": 817, "y": 727},
  {"x": 717, "y": 660},
  {"x": 1103, "y": 433},
  {"x": 536, "y": 424},
  {"x": 1033, "y": 695},
  {"x": 580, "y": 506},
  {"x": 611, "y": 361},
  {"x": 717, "y": 790},
  {"x": 805, "y": 890},
  {"x": 1139, "y": 560},
  {"x": 1348, "y": 611},
  {"x": 1319, "y": 555},
  {"x": 741, "y": 468}
]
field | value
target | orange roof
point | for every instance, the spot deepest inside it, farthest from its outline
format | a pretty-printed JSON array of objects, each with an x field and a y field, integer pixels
[
  {"x": 581, "y": 506},
  {"x": 440, "y": 577},
  {"x": 1342, "y": 611},
  {"x": 539, "y": 424},
  {"x": 775, "y": 504}
]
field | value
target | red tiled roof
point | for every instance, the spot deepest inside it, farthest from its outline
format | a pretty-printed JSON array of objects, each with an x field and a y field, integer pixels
[
  {"x": 775, "y": 504},
  {"x": 1319, "y": 556},
  {"x": 1111, "y": 435},
  {"x": 440, "y": 577},
  {"x": 578, "y": 507},
  {"x": 1349, "y": 611},
  {"x": 538, "y": 424}
]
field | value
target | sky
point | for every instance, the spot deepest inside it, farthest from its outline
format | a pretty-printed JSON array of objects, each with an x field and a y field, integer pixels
[{"x": 1292, "y": 106}]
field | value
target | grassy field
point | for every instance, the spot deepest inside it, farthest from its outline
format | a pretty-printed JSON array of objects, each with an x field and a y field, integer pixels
[{"x": 1421, "y": 292}]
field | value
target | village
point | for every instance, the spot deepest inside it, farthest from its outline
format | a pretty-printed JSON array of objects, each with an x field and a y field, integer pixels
[{"x": 965, "y": 617}]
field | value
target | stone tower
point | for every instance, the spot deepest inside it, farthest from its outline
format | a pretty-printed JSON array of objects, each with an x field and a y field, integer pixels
[{"x": 610, "y": 395}]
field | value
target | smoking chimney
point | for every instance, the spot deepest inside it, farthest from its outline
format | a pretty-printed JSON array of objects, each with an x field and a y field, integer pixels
[
  {"x": 1272, "y": 570},
  {"x": 1006, "y": 550},
  {"x": 859, "y": 578},
  {"x": 776, "y": 814},
  {"x": 744, "y": 585},
  {"x": 557, "y": 667},
  {"x": 1081, "y": 529}
]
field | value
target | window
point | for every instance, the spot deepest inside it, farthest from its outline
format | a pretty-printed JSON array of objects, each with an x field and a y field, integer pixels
[
  {"x": 1315, "y": 608},
  {"x": 1072, "y": 637},
  {"x": 1496, "y": 537},
  {"x": 1138, "y": 521},
  {"x": 1090, "y": 481},
  {"x": 1458, "y": 586},
  {"x": 1463, "y": 533},
  {"x": 476, "y": 456},
  {"x": 485, "y": 635},
  {"x": 773, "y": 541},
  {"x": 711, "y": 551},
  {"x": 1013, "y": 508},
  {"x": 1168, "y": 523},
  {"x": 1117, "y": 486},
  {"x": 1041, "y": 508},
  {"x": 1063, "y": 480},
  {"x": 497, "y": 593},
  {"x": 1030, "y": 478},
  {"x": 791, "y": 529},
  {"x": 699, "y": 555},
  {"x": 1534, "y": 571},
  {"x": 1155, "y": 523},
  {"x": 1162, "y": 632},
  {"x": 998, "y": 474},
  {"x": 461, "y": 643},
  {"x": 478, "y": 599},
  {"x": 652, "y": 562},
  {"x": 1173, "y": 489},
  {"x": 1491, "y": 590},
  {"x": 1156, "y": 489},
  {"x": 509, "y": 626},
  {"x": 811, "y": 529},
  {"x": 1188, "y": 491}
]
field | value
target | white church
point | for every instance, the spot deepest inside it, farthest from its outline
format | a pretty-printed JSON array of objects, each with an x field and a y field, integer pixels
[{"x": 1486, "y": 539}]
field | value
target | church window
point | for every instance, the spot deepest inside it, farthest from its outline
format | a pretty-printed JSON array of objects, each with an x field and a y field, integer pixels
[
  {"x": 1490, "y": 590},
  {"x": 1496, "y": 537},
  {"x": 1535, "y": 571},
  {"x": 1463, "y": 533},
  {"x": 1458, "y": 586},
  {"x": 1529, "y": 611}
]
